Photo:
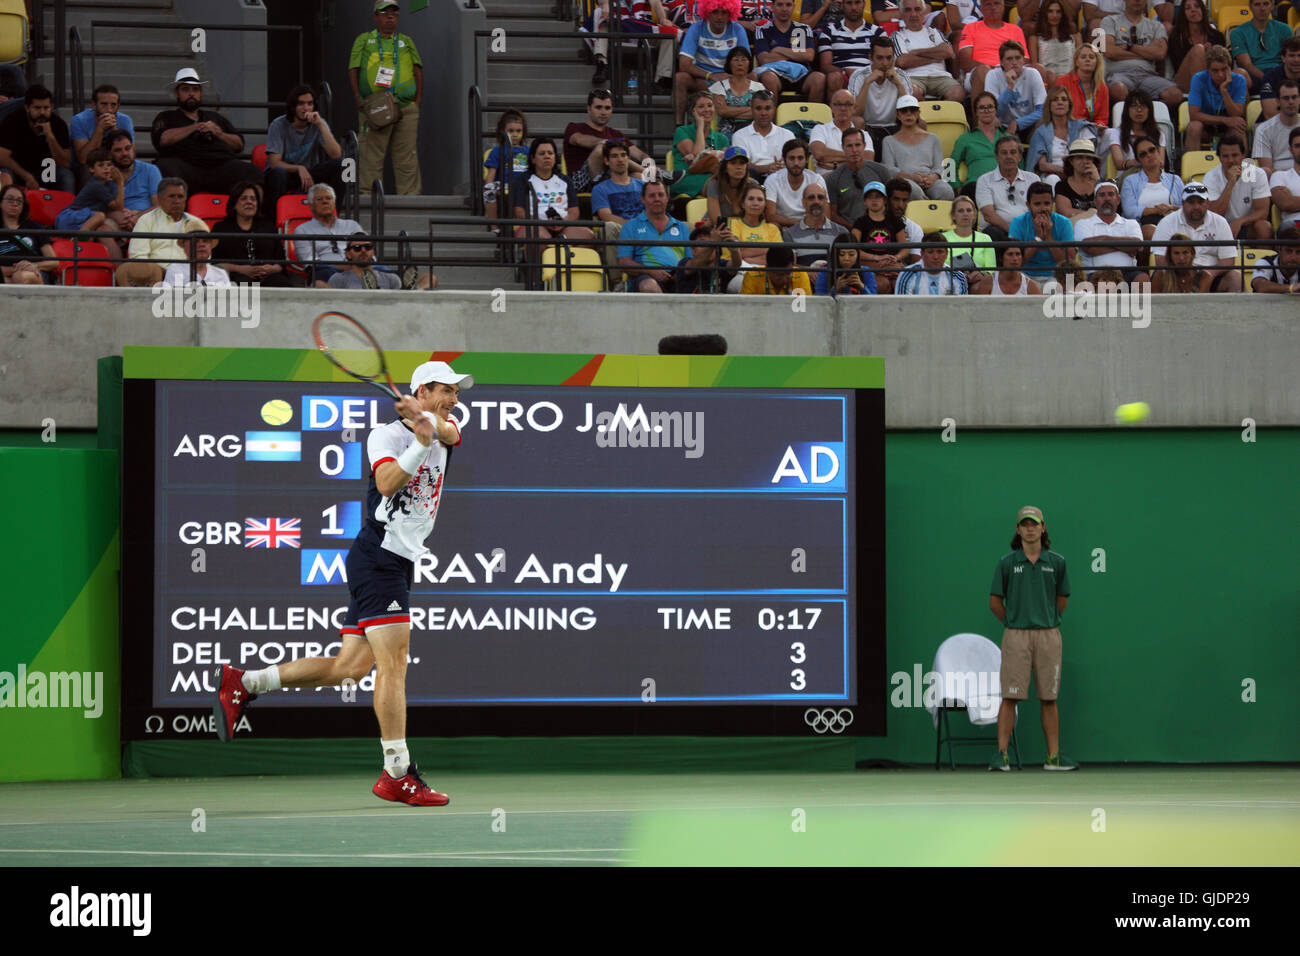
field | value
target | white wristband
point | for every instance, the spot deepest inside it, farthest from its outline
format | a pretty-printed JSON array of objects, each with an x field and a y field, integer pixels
[{"x": 411, "y": 459}]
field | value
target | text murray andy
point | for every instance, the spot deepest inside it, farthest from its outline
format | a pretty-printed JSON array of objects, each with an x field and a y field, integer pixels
[{"x": 619, "y": 427}]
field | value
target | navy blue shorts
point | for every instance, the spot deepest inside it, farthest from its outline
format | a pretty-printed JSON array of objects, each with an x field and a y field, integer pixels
[{"x": 380, "y": 585}]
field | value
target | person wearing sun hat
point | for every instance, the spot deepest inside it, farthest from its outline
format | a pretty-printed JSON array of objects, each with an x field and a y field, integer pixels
[
  {"x": 1028, "y": 595},
  {"x": 199, "y": 270},
  {"x": 198, "y": 145}
]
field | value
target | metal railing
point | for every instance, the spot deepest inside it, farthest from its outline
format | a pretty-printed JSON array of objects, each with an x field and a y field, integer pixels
[
  {"x": 533, "y": 240},
  {"x": 78, "y": 67},
  {"x": 377, "y": 215}
]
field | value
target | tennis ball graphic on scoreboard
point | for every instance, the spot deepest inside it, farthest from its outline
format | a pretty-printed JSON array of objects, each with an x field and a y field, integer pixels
[
  {"x": 277, "y": 411},
  {"x": 1132, "y": 413}
]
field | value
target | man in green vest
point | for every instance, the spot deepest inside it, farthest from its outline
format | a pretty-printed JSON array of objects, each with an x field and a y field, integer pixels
[
  {"x": 384, "y": 60},
  {"x": 1028, "y": 596}
]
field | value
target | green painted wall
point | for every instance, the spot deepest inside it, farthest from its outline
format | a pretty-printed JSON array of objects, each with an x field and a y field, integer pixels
[
  {"x": 60, "y": 572},
  {"x": 1199, "y": 594}
]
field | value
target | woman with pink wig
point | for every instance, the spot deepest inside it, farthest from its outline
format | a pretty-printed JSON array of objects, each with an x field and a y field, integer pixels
[{"x": 702, "y": 63}]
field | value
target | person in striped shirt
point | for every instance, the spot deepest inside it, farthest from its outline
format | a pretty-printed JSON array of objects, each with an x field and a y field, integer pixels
[{"x": 844, "y": 46}]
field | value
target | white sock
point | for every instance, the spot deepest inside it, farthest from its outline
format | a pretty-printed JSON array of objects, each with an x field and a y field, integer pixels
[
  {"x": 260, "y": 682},
  {"x": 396, "y": 757}
]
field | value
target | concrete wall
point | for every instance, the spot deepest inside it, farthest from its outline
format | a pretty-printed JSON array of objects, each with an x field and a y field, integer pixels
[
  {"x": 444, "y": 35},
  {"x": 983, "y": 361}
]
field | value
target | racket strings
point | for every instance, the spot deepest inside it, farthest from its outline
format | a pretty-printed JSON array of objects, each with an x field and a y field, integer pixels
[{"x": 350, "y": 347}]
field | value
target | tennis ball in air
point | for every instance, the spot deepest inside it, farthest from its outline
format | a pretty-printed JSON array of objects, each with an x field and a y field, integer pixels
[
  {"x": 1132, "y": 413},
  {"x": 276, "y": 412}
]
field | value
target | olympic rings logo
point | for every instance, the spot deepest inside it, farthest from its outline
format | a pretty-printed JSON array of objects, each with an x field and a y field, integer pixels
[{"x": 822, "y": 721}]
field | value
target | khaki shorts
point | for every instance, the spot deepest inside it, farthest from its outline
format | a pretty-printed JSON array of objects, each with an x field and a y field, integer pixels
[
  {"x": 1036, "y": 651},
  {"x": 935, "y": 86}
]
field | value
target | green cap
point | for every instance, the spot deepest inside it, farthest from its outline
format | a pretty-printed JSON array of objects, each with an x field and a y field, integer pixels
[{"x": 1029, "y": 511}]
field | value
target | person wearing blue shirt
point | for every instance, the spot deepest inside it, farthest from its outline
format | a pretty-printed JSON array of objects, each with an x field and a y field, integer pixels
[
  {"x": 650, "y": 268},
  {"x": 703, "y": 54},
  {"x": 89, "y": 127},
  {"x": 842, "y": 276},
  {"x": 617, "y": 197},
  {"x": 1216, "y": 103},
  {"x": 1040, "y": 224},
  {"x": 931, "y": 276},
  {"x": 141, "y": 179}
]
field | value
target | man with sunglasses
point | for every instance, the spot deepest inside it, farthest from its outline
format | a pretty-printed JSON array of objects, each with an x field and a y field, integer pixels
[
  {"x": 1257, "y": 44},
  {"x": 1002, "y": 194},
  {"x": 359, "y": 273}
]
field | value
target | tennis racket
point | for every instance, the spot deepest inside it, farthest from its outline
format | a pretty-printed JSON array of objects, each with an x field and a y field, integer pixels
[{"x": 349, "y": 345}]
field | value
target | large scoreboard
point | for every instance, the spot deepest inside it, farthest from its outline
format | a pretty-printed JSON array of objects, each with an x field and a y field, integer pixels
[{"x": 625, "y": 544}]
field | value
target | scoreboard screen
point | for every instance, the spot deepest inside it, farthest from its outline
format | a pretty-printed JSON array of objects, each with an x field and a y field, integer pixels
[{"x": 606, "y": 560}]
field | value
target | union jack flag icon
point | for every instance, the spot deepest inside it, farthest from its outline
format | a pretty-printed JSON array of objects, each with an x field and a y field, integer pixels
[{"x": 272, "y": 533}]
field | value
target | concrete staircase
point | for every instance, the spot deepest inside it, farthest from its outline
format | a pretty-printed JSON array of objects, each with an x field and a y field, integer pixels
[
  {"x": 140, "y": 63},
  {"x": 476, "y": 265}
]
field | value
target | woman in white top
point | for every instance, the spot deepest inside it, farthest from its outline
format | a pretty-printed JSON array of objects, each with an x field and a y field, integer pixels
[
  {"x": 1052, "y": 41},
  {"x": 731, "y": 96},
  {"x": 918, "y": 155},
  {"x": 1010, "y": 280},
  {"x": 200, "y": 249},
  {"x": 1136, "y": 119}
]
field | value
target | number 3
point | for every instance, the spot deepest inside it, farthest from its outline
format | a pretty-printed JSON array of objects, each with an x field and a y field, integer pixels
[{"x": 798, "y": 657}]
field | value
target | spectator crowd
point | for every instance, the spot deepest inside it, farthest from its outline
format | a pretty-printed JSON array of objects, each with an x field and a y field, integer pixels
[{"x": 1095, "y": 135}]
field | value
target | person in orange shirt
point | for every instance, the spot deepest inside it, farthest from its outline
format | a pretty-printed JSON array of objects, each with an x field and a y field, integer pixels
[{"x": 1089, "y": 97}]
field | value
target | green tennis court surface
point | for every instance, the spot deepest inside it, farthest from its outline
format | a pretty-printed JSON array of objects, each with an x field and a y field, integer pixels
[{"x": 1168, "y": 816}]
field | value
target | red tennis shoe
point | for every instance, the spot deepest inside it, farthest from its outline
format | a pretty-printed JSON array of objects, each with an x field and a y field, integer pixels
[
  {"x": 232, "y": 698},
  {"x": 409, "y": 789}
]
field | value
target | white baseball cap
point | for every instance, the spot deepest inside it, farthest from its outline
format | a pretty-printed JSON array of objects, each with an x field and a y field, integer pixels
[{"x": 439, "y": 372}]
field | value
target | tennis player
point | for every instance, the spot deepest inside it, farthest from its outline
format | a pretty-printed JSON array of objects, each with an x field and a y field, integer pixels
[
  {"x": 408, "y": 460},
  {"x": 1028, "y": 596}
]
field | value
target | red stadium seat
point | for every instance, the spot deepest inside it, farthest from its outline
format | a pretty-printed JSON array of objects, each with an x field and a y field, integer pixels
[
  {"x": 207, "y": 206},
  {"x": 291, "y": 210},
  {"x": 46, "y": 204},
  {"x": 292, "y": 227},
  {"x": 259, "y": 156},
  {"x": 83, "y": 273}
]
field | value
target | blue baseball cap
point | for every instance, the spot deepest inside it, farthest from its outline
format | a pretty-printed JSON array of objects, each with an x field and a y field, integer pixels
[
  {"x": 876, "y": 185},
  {"x": 735, "y": 152}
]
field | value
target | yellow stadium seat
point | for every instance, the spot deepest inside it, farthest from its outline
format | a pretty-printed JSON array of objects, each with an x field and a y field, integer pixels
[
  {"x": 1110, "y": 165},
  {"x": 1248, "y": 258},
  {"x": 1253, "y": 110},
  {"x": 14, "y": 30},
  {"x": 1196, "y": 165},
  {"x": 944, "y": 119},
  {"x": 1231, "y": 17},
  {"x": 587, "y": 271},
  {"x": 802, "y": 112},
  {"x": 1293, "y": 19},
  {"x": 930, "y": 214},
  {"x": 696, "y": 210},
  {"x": 1014, "y": 15},
  {"x": 669, "y": 163},
  {"x": 1184, "y": 116}
]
